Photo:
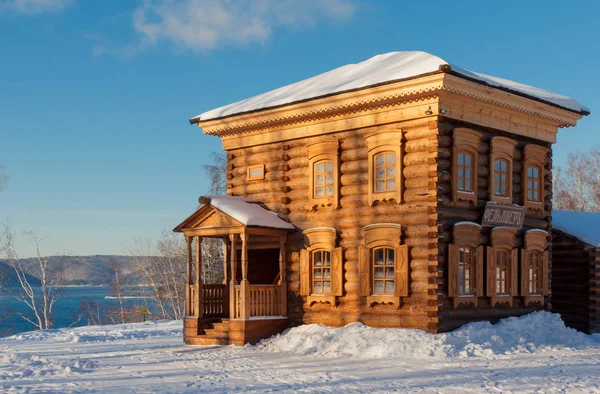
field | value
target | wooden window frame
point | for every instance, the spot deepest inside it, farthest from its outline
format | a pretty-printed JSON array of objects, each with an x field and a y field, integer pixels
[
  {"x": 535, "y": 241},
  {"x": 503, "y": 240},
  {"x": 321, "y": 239},
  {"x": 502, "y": 148},
  {"x": 379, "y": 141},
  {"x": 323, "y": 150},
  {"x": 465, "y": 141},
  {"x": 535, "y": 156},
  {"x": 377, "y": 236},
  {"x": 466, "y": 235},
  {"x": 249, "y": 177}
]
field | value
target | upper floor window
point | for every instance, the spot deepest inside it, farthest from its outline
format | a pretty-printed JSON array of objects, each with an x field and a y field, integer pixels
[
  {"x": 533, "y": 175},
  {"x": 323, "y": 179},
  {"x": 501, "y": 168},
  {"x": 385, "y": 158},
  {"x": 464, "y": 179},
  {"x": 501, "y": 177},
  {"x": 502, "y": 266},
  {"x": 383, "y": 264},
  {"x": 256, "y": 172},
  {"x": 324, "y": 164},
  {"x": 321, "y": 269},
  {"x": 385, "y": 172},
  {"x": 465, "y": 264}
]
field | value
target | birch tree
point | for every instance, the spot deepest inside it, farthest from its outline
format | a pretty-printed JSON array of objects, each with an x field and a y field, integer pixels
[
  {"x": 577, "y": 186},
  {"x": 42, "y": 303}
]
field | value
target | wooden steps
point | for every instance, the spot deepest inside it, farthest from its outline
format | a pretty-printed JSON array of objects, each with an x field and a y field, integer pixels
[{"x": 218, "y": 334}]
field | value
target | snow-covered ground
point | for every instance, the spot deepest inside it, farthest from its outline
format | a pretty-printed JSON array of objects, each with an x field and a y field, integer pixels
[{"x": 534, "y": 353}]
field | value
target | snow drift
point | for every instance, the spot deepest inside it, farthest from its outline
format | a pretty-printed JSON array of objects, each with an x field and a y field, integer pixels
[{"x": 539, "y": 331}]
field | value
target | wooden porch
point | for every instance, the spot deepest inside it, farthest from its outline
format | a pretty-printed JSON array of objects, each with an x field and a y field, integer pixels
[{"x": 235, "y": 311}]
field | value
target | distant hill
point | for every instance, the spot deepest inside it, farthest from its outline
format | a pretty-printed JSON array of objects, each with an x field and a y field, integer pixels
[
  {"x": 84, "y": 270},
  {"x": 8, "y": 277}
]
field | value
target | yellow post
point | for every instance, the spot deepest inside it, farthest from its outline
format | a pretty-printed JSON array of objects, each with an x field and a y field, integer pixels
[
  {"x": 199, "y": 310},
  {"x": 245, "y": 285},
  {"x": 232, "y": 294}
]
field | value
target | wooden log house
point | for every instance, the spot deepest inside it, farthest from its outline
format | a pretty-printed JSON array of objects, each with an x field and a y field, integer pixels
[{"x": 419, "y": 194}]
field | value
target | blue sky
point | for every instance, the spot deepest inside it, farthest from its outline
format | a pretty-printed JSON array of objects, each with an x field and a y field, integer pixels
[{"x": 95, "y": 95}]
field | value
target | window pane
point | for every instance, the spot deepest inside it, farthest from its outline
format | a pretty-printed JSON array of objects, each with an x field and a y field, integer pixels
[
  {"x": 320, "y": 180},
  {"x": 503, "y": 166},
  {"x": 380, "y": 186},
  {"x": 380, "y": 160},
  {"x": 326, "y": 259},
  {"x": 389, "y": 273},
  {"x": 461, "y": 159},
  {"x": 329, "y": 166},
  {"x": 461, "y": 184},
  {"x": 391, "y": 171},
  {"x": 320, "y": 167},
  {"x": 379, "y": 256},
  {"x": 536, "y": 196},
  {"x": 378, "y": 272},
  {"x": 329, "y": 191},
  {"x": 329, "y": 179},
  {"x": 326, "y": 287},
  {"x": 391, "y": 159},
  {"x": 390, "y": 256},
  {"x": 461, "y": 173},
  {"x": 536, "y": 172},
  {"x": 318, "y": 274},
  {"x": 497, "y": 165},
  {"x": 468, "y": 185},
  {"x": 391, "y": 185},
  {"x": 320, "y": 191},
  {"x": 256, "y": 172},
  {"x": 378, "y": 287},
  {"x": 468, "y": 160},
  {"x": 389, "y": 287},
  {"x": 318, "y": 288},
  {"x": 380, "y": 173},
  {"x": 529, "y": 184},
  {"x": 468, "y": 174},
  {"x": 529, "y": 194},
  {"x": 326, "y": 273},
  {"x": 317, "y": 259},
  {"x": 496, "y": 179},
  {"x": 529, "y": 172}
]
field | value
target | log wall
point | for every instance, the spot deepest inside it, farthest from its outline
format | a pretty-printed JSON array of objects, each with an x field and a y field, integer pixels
[
  {"x": 285, "y": 190},
  {"x": 450, "y": 212},
  {"x": 576, "y": 288}
]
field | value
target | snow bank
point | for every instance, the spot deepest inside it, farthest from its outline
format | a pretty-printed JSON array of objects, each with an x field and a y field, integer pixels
[{"x": 531, "y": 333}]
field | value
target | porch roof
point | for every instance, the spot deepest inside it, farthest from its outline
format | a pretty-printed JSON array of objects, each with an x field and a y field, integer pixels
[{"x": 245, "y": 211}]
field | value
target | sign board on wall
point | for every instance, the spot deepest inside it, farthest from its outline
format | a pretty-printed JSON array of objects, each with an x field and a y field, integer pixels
[{"x": 496, "y": 215}]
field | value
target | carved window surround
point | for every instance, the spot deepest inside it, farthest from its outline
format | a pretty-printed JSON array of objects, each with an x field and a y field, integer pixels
[
  {"x": 535, "y": 241},
  {"x": 380, "y": 141},
  {"x": 537, "y": 156},
  {"x": 466, "y": 235},
  {"x": 465, "y": 141},
  {"x": 326, "y": 150},
  {"x": 502, "y": 149},
  {"x": 321, "y": 239},
  {"x": 503, "y": 243},
  {"x": 377, "y": 236}
]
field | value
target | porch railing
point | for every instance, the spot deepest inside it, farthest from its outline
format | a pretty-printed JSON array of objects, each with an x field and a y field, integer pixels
[
  {"x": 265, "y": 300},
  {"x": 215, "y": 301}
]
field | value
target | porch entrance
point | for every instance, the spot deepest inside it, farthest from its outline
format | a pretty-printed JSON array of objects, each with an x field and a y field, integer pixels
[{"x": 251, "y": 304}]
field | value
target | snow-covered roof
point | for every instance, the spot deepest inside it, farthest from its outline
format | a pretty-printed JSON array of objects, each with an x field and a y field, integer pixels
[
  {"x": 385, "y": 68},
  {"x": 247, "y": 211},
  {"x": 584, "y": 226}
]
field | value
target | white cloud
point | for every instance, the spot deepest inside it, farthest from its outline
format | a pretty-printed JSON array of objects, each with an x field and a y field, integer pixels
[
  {"x": 34, "y": 6},
  {"x": 202, "y": 25}
]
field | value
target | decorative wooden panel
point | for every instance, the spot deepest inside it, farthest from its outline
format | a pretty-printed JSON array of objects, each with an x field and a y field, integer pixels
[
  {"x": 453, "y": 271},
  {"x": 364, "y": 271},
  {"x": 337, "y": 273},
  {"x": 524, "y": 272},
  {"x": 479, "y": 283},
  {"x": 491, "y": 272},
  {"x": 514, "y": 269},
  {"x": 304, "y": 272},
  {"x": 545, "y": 273},
  {"x": 401, "y": 287}
]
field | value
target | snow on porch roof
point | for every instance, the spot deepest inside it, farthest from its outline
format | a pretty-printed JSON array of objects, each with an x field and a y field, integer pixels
[
  {"x": 247, "y": 211},
  {"x": 385, "y": 68},
  {"x": 585, "y": 226}
]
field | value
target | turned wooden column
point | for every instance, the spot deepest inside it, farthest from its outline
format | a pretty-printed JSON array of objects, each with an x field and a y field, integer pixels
[
  {"x": 233, "y": 301},
  {"x": 199, "y": 306},
  {"x": 245, "y": 285},
  {"x": 226, "y": 253},
  {"x": 282, "y": 278},
  {"x": 188, "y": 282}
]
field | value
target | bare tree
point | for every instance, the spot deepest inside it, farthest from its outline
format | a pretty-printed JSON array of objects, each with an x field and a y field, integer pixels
[
  {"x": 577, "y": 187},
  {"x": 117, "y": 288},
  {"x": 40, "y": 304},
  {"x": 90, "y": 311},
  {"x": 217, "y": 172}
]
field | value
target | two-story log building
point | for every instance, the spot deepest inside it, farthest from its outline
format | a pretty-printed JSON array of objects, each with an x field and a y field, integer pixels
[{"x": 402, "y": 191}]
